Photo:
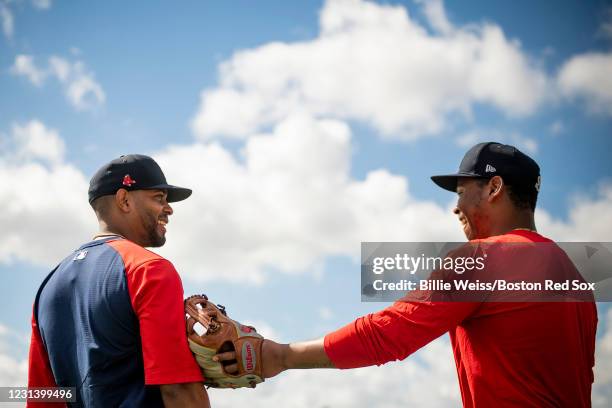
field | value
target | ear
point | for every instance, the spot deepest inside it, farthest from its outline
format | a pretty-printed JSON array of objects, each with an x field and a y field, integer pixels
[
  {"x": 494, "y": 188},
  {"x": 123, "y": 200}
]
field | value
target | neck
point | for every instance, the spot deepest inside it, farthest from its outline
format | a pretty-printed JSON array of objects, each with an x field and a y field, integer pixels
[
  {"x": 518, "y": 220},
  {"x": 106, "y": 228}
]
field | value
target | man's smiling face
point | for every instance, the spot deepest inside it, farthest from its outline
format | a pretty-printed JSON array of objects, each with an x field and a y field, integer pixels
[
  {"x": 153, "y": 211},
  {"x": 471, "y": 207}
]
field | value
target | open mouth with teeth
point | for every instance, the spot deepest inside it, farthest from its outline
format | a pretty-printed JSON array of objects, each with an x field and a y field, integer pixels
[
  {"x": 464, "y": 223},
  {"x": 162, "y": 225}
]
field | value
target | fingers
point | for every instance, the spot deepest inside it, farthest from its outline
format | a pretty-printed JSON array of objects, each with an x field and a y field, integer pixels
[
  {"x": 228, "y": 361},
  {"x": 231, "y": 368},
  {"x": 226, "y": 356}
]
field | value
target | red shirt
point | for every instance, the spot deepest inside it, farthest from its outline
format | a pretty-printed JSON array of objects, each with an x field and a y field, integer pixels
[{"x": 537, "y": 354}]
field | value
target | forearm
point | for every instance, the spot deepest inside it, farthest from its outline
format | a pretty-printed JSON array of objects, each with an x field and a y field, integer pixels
[
  {"x": 192, "y": 395},
  {"x": 306, "y": 354},
  {"x": 280, "y": 357}
]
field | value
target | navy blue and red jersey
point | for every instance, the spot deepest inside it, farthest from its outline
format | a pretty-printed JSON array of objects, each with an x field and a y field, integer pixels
[{"x": 109, "y": 320}]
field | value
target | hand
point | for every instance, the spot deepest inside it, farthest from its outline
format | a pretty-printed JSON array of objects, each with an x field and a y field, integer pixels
[
  {"x": 277, "y": 358},
  {"x": 273, "y": 359},
  {"x": 228, "y": 361}
]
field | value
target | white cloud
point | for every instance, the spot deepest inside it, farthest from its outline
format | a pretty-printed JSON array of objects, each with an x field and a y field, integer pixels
[
  {"x": 587, "y": 76},
  {"x": 7, "y": 18},
  {"x": 82, "y": 90},
  {"x": 39, "y": 190},
  {"x": 13, "y": 370},
  {"x": 8, "y": 22},
  {"x": 590, "y": 219},
  {"x": 472, "y": 137},
  {"x": 436, "y": 16},
  {"x": 42, "y": 4},
  {"x": 24, "y": 65},
  {"x": 283, "y": 207},
  {"x": 35, "y": 141},
  {"x": 60, "y": 67},
  {"x": 288, "y": 204},
  {"x": 375, "y": 64}
]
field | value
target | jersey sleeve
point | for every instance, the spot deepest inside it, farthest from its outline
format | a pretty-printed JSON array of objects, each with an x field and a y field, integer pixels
[
  {"x": 156, "y": 293},
  {"x": 39, "y": 368},
  {"x": 393, "y": 333}
]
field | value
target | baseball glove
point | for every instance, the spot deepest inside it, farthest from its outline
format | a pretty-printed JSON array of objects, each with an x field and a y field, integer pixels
[{"x": 210, "y": 332}]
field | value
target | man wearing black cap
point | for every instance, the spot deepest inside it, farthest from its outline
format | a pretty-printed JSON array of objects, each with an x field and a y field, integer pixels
[
  {"x": 510, "y": 173},
  {"x": 109, "y": 319},
  {"x": 527, "y": 354}
]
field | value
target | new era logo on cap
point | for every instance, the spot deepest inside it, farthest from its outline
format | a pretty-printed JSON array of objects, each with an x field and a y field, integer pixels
[{"x": 490, "y": 169}]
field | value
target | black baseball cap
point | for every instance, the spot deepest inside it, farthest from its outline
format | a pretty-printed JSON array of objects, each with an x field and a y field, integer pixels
[
  {"x": 133, "y": 172},
  {"x": 486, "y": 160}
]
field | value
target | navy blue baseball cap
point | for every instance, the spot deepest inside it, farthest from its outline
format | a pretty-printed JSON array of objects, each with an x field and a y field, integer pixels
[
  {"x": 133, "y": 172},
  {"x": 486, "y": 160}
]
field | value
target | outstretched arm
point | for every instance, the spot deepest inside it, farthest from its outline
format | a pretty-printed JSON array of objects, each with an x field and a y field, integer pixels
[
  {"x": 305, "y": 354},
  {"x": 375, "y": 339},
  {"x": 280, "y": 357}
]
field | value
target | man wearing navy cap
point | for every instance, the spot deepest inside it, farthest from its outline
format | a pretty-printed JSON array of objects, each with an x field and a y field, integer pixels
[
  {"x": 508, "y": 354},
  {"x": 109, "y": 319},
  {"x": 510, "y": 174}
]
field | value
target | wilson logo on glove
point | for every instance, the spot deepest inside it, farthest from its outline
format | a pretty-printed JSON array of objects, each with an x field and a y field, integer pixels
[{"x": 247, "y": 356}]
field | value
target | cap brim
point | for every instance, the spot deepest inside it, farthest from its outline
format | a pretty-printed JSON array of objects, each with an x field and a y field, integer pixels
[
  {"x": 174, "y": 193},
  {"x": 449, "y": 181}
]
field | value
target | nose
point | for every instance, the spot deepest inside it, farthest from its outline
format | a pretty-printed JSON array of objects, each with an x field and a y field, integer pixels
[
  {"x": 456, "y": 211},
  {"x": 168, "y": 210}
]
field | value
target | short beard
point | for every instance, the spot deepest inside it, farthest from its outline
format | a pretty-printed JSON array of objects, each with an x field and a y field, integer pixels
[{"x": 154, "y": 240}]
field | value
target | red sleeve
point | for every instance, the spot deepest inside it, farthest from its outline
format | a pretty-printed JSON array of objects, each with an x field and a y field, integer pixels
[
  {"x": 156, "y": 293},
  {"x": 39, "y": 368},
  {"x": 393, "y": 333}
]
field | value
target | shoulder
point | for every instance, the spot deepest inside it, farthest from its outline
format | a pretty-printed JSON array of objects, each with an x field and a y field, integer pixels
[
  {"x": 134, "y": 256},
  {"x": 518, "y": 236}
]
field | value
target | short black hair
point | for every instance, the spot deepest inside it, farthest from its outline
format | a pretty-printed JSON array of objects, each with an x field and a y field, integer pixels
[
  {"x": 522, "y": 198},
  {"x": 101, "y": 205}
]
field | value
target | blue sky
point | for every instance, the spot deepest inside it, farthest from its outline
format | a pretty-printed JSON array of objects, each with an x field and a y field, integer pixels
[{"x": 304, "y": 128}]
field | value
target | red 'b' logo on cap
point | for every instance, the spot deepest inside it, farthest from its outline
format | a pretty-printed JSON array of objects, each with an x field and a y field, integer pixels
[{"x": 128, "y": 181}]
